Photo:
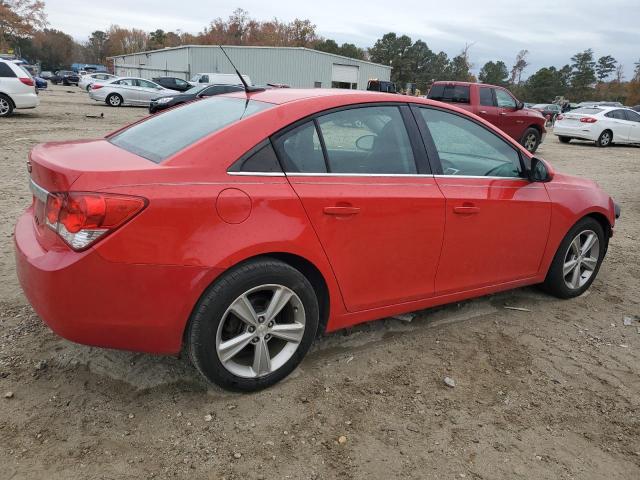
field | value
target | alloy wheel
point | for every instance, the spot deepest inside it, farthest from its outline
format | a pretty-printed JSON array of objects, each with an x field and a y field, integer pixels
[
  {"x": 581, "y": 259},
  {"x": 114, "y": 100},
  {"x": 260, "y": 331},
  {"x": 4, "y": 106},
  {"x": 605, "y": 139},
  {"x": 530, "y": 142}
]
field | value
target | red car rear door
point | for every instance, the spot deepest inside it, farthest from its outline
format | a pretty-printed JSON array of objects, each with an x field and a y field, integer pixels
[
  {"x": 497, "y": 222},
  {"x": 363, "y": 179}
]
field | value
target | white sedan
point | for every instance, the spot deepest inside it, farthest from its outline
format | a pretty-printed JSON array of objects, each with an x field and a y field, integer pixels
[
  {"x": 90, "y": 78},
  {"x": 127, "y": 91},
  {"x": 603, "y": 125}
]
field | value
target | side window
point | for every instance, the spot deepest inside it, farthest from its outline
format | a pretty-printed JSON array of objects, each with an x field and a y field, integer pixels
[
  {"x": 466, "y": 148},
  {"x": 261, "y": 159},
  {"x": 204, "y": 79},
  {"x": 367, "y": 140},
  {"x": 632, "y": 116},
  {"x": 449, "y": 93},
  {"x": 486, "y": 97},
  {"x": 6, "y": 71},
  {"x": 300, "y": 150},
  {"x": 181, "y": 83},
  {"x": 130, "y": 82},
  {"x": 146, "y": 84},
  {"x": 504, "y": 99}
]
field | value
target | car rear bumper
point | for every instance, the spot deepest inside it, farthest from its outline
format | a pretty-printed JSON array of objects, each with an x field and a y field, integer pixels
[
  {"x": 579, "y": 131},
  {"x": 25, "y": 100},
  {"x": 87, "y": 299}
]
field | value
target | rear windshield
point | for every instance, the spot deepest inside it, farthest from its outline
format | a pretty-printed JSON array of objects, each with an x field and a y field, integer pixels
[
  {"x": 449, "y": 93},
  {"x": 587, "y": 110},
  {"x": 159, "y": 137}
]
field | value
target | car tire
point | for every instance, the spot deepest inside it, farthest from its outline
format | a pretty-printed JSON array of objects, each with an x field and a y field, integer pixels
[
  {"x": 570, "y": 274},
  {"x": 530, "y": 139},
  {"x": 65, "y": 83},
  {"x": 88, "y": 89},
  {"x": 564, "y": 139},
  {"x": 227, "y": 347},
  {"x": 6, "y": 106},
  {"x": 114, "y": 100},
  {"x": 605, "y": 139}
]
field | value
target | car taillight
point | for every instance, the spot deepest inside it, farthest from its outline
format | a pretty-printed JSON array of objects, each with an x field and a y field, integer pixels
[
  {"x": 27, "y": 81},
  {"x": 560, "y": 117},
  {"x": 95, "y": 87},
  {"x": 82, "y": 218},
  {"x": 588, "y": 120}
]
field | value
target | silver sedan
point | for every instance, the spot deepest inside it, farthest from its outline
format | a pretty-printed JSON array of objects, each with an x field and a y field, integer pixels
[{"x": 127, "y": 91}]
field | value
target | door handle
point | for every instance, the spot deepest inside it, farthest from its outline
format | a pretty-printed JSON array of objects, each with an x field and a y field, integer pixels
[
  {"x": 503, "y": 113},
  {"x": 466, "y": 210},
  {"x": 484, "y": 112},
  {"x": 341, "y": 211}
]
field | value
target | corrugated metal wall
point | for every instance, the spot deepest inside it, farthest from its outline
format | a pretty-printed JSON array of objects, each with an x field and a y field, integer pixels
[{"x": 297, "y": 67}]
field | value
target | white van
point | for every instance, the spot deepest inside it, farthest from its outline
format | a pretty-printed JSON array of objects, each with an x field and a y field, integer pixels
[{"x": 218, "y": 79}]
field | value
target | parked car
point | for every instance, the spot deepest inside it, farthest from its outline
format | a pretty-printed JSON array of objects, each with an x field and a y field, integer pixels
[
  {"x": 195, "y": 93},
  {"x": 219, "y": 79},
  {"x": 602, "y": 125},
  {"x": 381, "y": 86},
  {"x": 497, "y": 106},
  {"x": 46, "y": 74},
  {"x": 17, "y": 88},
  {"x": 40, "y": 82},
  {"x": 636, "y": 108},
  {"x": 173, "y": 83},
  {"x": 127, "y": 91},
  {"x": 548, "y": 110},
  {"x": 90, "y": 78},
  {"x": 65, "y": 77},
  {"x": 290, "y": 211}
]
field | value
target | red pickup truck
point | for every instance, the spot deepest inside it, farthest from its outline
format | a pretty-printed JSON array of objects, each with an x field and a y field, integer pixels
[{"x": 496, "y": 105}]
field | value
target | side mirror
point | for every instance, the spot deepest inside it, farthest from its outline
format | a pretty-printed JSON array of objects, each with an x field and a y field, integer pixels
[
  {"x": 365, "y": 142},
  {"x": 539, "y": 170},
  {"x": 519, "y": 105}
]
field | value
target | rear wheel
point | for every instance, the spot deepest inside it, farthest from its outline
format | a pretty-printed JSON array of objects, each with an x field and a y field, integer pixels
[
  {"x": 253, "y": 326},
  {"x": 577, "y": 260},
  {"x": 605, "y": 139},
  {"x": 564, "y": 139},
  {"x": 114, "y": 100},
  {"x": 6, "y": 106},
  {"x": 531, "y": 139}
]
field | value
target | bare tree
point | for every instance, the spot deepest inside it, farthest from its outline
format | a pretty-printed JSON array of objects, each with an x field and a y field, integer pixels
[{"x": 519, "y": 66}]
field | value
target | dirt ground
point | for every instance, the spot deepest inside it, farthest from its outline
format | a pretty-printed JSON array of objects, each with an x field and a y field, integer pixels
[{"x": 549, "y": 393}]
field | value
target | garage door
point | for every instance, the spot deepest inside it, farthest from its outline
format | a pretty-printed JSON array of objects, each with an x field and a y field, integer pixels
[{"x": 344, "y": 73}]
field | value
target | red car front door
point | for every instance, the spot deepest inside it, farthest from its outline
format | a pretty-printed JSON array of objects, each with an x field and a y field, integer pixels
[
  {"x": 511, "y": 119},
  {"x": 497, "y": 222},
  {"x": 380, "y": 223}
]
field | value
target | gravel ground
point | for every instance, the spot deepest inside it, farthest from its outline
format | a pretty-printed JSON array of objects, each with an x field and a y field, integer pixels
[{"x": 548, "y": 393}]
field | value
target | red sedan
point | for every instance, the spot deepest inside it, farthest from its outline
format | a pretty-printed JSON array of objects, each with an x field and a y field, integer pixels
[{"x": 241, "y": 225}]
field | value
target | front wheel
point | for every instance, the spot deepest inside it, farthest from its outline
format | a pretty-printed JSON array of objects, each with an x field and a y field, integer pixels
[
  {"x": 6, "y": 106},
  {"x": 531, "y": 139},
  {"x": 253, "y": 326},
  {"x": 577, "y": 260}
]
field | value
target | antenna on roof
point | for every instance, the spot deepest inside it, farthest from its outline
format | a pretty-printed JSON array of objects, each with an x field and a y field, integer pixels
[{"x": 247, "y": 88}]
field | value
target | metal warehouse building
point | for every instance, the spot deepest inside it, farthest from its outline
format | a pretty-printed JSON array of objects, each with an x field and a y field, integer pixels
[{"x": 295, "y": 66}]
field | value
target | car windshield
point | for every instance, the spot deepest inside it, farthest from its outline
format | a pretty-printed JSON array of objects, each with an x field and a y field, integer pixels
[{"x": 161, "y": 136}]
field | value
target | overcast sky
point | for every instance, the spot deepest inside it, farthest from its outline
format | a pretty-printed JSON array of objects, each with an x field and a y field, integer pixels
[{"x": 552, "y": 30}]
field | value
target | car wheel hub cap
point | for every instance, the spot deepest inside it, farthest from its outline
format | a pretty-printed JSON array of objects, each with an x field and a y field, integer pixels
[
  {"x": 4, "y": 106},
  {"x": 581, "y": 259},
  {"x": 260, "y": 331},
  {"x": 530, "y": 142}
]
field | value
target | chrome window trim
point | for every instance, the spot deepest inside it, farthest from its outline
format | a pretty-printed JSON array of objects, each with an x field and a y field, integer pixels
[
  {"x": 401, "y": 175},
  {"x": 481, "y": 176},
  {"x": 257, "y": 174},
  {"x": 38, "y": 192}
]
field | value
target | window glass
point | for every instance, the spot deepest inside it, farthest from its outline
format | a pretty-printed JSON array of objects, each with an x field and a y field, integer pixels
[
  {"x": 160, "y": 136},
  {"x": 617, "y": 114},
  {"x": 632, "y": 116},
  {"x": 504, "y": 100},
  {"x": 204, "y": 79},
  {"x": 486, "y": 97},
  {"x": 146, "y": 84},
  {"x": 466, "y": 148},
  {"x": 367, "y": 140},
  {"x": 6, "y": 71},
  {"x": 181, "y": 83},
  {"x": 127, "y": 81},
  {"x": 300, "y": 150},
  {"x": 261, "y": 160},
  {"x": 449, "y": 93}
]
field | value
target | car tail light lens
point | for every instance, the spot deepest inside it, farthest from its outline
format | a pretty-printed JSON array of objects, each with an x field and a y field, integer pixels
[
  {"x": 559, "y": 117},
  {"x": 588, "y": 120},
  {"x": 27, "y": 81},
  {"x": 82, "y": 218},
  {"x": 95, "y": 87}
]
